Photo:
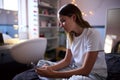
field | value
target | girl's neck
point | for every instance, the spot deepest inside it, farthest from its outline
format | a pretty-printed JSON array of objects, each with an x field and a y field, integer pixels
[{"x": 77, "y": 32}]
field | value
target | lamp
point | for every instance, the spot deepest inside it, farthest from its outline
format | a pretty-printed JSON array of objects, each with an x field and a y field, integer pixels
[{"x": 29, "y": 51}]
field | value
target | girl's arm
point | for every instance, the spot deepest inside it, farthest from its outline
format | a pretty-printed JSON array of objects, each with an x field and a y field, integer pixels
[
  {"x": 85, "y": 69},
  {"x": 64, "y": 62}
]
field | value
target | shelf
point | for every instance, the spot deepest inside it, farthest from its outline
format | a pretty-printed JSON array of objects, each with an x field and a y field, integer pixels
[
  {"x": 45, "y": 15},
  {"x": 46, "y": 4},
  {"x": 49, "y": 38},
  {"x": 52, "y": 27},
  {"x": 51, "y": 48},
  {"x": 48, "y": 22}
]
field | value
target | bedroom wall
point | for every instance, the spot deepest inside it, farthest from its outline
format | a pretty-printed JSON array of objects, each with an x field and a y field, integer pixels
[{"x": 99, "y": 8}]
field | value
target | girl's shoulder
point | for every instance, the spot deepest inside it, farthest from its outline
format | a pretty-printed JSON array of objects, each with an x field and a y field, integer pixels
[{"x": 91, "y": 31}]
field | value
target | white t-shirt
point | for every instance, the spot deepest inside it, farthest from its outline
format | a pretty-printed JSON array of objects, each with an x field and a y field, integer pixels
[{"x": 89, "y": 40}]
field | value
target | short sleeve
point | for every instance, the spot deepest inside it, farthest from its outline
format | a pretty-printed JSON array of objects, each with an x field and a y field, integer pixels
[{"x": 94, "y": 42}]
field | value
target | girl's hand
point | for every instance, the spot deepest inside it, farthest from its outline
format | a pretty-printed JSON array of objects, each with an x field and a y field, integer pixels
[
  {"x": 45, "y": 71},
  {"x": 44, "y": 66}
]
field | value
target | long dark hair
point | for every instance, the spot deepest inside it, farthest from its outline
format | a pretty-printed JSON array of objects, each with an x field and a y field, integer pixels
[{"x": 69, "y": 10}]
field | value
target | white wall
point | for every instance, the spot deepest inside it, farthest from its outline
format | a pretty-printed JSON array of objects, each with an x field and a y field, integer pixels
[{"x": 99, "y": 8}]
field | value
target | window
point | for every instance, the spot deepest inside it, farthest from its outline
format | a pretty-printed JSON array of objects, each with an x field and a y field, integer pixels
[{"x": 10, "y": 5}]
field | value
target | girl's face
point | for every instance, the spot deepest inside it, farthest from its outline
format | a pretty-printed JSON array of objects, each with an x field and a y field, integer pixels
[{"x": 66, "y": 22}]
